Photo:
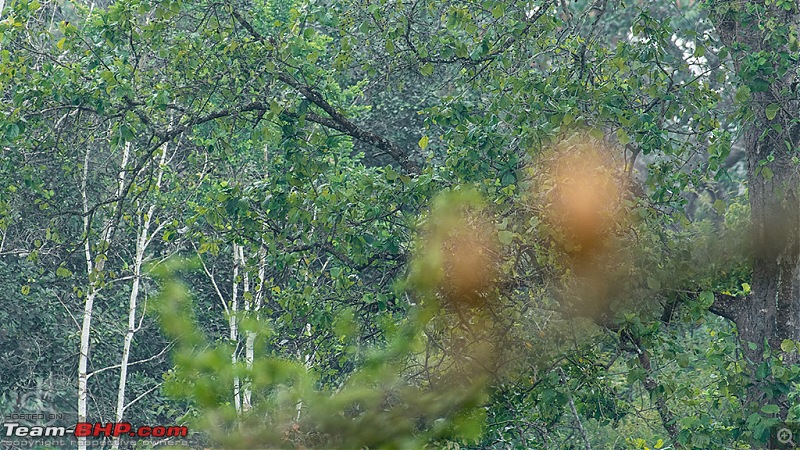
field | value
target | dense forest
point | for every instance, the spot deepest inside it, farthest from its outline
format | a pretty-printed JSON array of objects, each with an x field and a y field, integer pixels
[{"x": 401, "y": 224}]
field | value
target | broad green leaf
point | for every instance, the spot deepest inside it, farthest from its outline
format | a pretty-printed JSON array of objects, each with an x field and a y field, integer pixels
[
  {"x": 423, "y": 142},
  {"x": 772, "y": 110},
  {"x": 426, "y": 69},
  {"x": 759, "y": 85},
  {"x": 706, "y": 299},
  {"x": 505, "y": 237},
  {"x": 742, "y": 94},
  {"x": 498, "y": 10},
  {"x": 622, "y": 136},
  {"x": 699, "y": 51}
]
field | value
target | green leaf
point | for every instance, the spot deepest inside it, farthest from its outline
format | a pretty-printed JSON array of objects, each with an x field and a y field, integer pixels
[
  {"x": 794, "y": 44},
  {"x": 719, "y": 207},
  {"x": 788, "y": 345},
  {"x": 498, "y": 11},
  {"x": 423, "y": 142},
  {"x": 426, "y": 69},
  {"x": 742, "y": 94},
  {"x": 706, "y": 299},
  {"x": 597, "y": 133},
  {"x": 770, "y": 409},
  {"x": 25, "y": 290},
  {"x": 759, "y": 85},
  {"x": 772, "y": 110},
  {"x": 505, "y": 237},
  {"x": 761, "y": 371},
  {"x": 622, "y": 136},
  {"x": 699, "y": 51}
]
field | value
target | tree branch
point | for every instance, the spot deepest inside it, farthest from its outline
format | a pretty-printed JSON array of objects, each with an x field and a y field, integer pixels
[
  {"x": 117, "y": 366},
  {"x": 651, "y": 385},
  {"x": 336, "y": 119},
  {"x": 728, "y": 306}
]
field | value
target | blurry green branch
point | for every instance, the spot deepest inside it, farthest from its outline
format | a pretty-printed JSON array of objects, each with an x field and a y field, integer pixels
[{"x": 374, "y": 407}]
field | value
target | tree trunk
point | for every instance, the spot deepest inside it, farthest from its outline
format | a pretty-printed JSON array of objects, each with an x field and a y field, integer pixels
[
  {"x": 234, "y": 327},
  {"x": 250, "y": 335},
  {"x": 94, "y": 268},
  {"x": 772, "y": 312},
  {"x": 142, "y": 242}
]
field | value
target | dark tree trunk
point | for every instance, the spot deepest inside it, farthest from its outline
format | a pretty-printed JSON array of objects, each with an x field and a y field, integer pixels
[{"x": 772, "y": 312}]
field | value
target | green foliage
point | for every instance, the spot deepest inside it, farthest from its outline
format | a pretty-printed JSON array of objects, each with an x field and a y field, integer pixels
[
  {"x": 385, "y": 250},
  {"x": 373, "y": 407}
]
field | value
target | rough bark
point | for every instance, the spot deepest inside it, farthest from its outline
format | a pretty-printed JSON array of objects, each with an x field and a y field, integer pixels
[{"x": 772, "y": 312}]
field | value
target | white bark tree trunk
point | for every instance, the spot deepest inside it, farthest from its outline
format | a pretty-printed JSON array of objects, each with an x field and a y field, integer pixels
[
  {"x": 231, "y": 309},
  {"x": 252, "y": 304},
  {"x": 143, "y": 239},
  {"x": 250, "y": 335},
  {"x": 94, "y": 267},
  {"x": 234, "y": 309}
]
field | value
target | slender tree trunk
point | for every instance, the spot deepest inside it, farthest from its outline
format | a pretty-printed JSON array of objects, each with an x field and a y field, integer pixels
[
  {"x": 252, "y": 306},
  {"x": 88, "y": 306},
  {"x": 83, "y": 376},
  {"x": 142, "y": 241},
  {"x": 250, "y": 340},
  {"x": 234, "y": 327},
  {"x": 94, "y": 269}
]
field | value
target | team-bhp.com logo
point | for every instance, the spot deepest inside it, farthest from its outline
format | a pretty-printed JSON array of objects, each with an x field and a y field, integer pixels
[{"x": 85, "y": 429}]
